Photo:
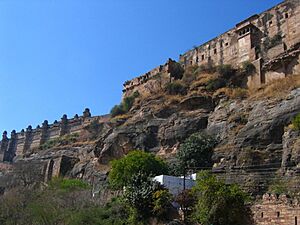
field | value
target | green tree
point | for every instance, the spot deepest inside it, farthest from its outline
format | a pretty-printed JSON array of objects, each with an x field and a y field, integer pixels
[
  {"x": 134, "y": 162},
  {"x": 219, "y": 203},
  {"x": 196, "y": 151}
]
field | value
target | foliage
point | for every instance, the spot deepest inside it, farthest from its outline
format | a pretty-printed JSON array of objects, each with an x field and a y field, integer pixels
[
  {"x": 125, "y": 106},
  {"x": 296, "y": 122},
  {"x": 176, "y": 70},
  {"x": 60, "y": 141},
  {"x": 219, "y": 203},
  {"x": 125, "y": 168},
  {"x": 196, "y": 150},
  {"x": 226, "y": 71},
  {"x": 272, "y": 42},
  {"x": 278, "y": 186},
  {"x": 175, "y": 88},
  {"x": 248, "y": 67},
  {"x": 161, "y": 203},
  {"x": 67, "y": 184},
  {"x": 206, "y": 68},
  {"x": 117, "y": 110},
  {"x": 214, "y": 84},
  {"x": 146, "y": 199}
]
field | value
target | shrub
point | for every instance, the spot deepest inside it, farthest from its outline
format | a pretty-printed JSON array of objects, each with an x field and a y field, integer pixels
[
  {"x": 117, "y": 110},
  {"x": 176, "y": 88},
  {"x": 125, "y": 106},
  {"x": 215, "y": 84},
  {"x": 135, "y": 162},
  {"x": 61, "y": 141},
  {"x": 219, "y": 203},
  {"x": 226, "y": 71},
  {"x": 248, "y": 67},
  {"x": 296, "y": 122},
  {"x": 68, "y": 184},
  {"x": 206, "y": 68},
  {"x": 272, "y": 42},
  {"x": 196, "y": 150}
]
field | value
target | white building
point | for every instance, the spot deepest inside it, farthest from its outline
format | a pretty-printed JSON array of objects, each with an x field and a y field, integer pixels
[{"x": 175, "y": 184}]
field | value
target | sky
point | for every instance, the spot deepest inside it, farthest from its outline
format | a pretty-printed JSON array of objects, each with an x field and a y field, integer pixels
[{"x": 60, "y": 56}]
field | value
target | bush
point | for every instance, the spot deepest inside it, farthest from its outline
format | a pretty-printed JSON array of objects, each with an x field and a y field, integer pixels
[
  {"x": 196, "y": 151},
  {"x": 219, "y": 203},
  {"x": 296, "y": 122},
  {"x": 117, "y": 110},
  {"x": 206, "y": 68},
  {"x": 68, "y": 184},
  {"x": 215, "y": 84},
  {"x": 61, "y": 141},
  {"x": 248, "y": 68},
  {"x": 226, "y": 71},
  {"x": 135, "y": 162},
  {"x": 125, "y": 106},
  {"x": 176, "y": 88}
]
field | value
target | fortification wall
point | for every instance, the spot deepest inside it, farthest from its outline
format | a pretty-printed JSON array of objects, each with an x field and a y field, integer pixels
[
  {"x": 258, "y": 39},
  {"x": 276, "y": 210},
  {"x": 24, "y": 142}
]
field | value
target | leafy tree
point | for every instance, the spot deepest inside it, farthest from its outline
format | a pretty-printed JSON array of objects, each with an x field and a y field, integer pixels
[
  {"x": 219, "y": 203},
  {"x": 146, "y": 198},
  {"x": 124, "y": 169},
  {"x": 196, "y": 151}
]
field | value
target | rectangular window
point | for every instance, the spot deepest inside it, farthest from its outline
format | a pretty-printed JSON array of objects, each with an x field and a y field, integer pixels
[
  {"x": 203, "y": 57},
  {"x": 296, "y": 220},
  {"x": 215, "y": 51},
  {"x": 278, "y": 214},
  {"x": 262, "y": 215}
]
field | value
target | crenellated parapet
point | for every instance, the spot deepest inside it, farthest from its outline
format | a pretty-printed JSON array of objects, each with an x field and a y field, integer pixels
[
  {"x": 276, "y": 209},
  {"x": 23, "y": 142}
]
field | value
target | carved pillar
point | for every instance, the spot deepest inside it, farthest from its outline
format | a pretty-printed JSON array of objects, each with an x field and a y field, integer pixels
[
  {"x": 44, "y": 132},
  {"x": 11, "y": 150},
  {"x": 28, "y": 139},
  {"x": 63, "y": 126},
  {"x": 4, "y": 145}
]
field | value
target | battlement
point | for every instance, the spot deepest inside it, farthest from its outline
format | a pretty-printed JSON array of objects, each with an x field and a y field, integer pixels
[
  {"x": 258, "y": 39},
  {"x": 276, "y": 209},
  {"x": 22, "y": 142}
]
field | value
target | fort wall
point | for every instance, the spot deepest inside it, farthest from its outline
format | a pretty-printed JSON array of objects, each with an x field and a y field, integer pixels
[
  {"x": 258, "y": 39},
  {"x": 276, "y": 210},
  {"x": 23, "y": 142}
]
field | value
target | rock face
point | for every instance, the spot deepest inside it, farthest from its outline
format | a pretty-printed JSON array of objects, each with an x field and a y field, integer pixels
[{"x": 251, "y": 132}]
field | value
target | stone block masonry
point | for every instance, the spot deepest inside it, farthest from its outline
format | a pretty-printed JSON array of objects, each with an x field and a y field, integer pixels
[
  {"x": 21, "y": 143},
  {"x": 276, "y": 210},
  {"x": 259, "y": 39}
]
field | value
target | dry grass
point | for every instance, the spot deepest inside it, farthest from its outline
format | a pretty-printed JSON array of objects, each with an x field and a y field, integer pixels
[
  {"x": 203, "y": 79},
  {"x": 173, "y": 99},
  {"x": 233, "y": 93},
  {"x": 277, "y": 89}
]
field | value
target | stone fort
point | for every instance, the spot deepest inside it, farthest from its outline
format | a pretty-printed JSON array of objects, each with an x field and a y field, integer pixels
[
  {"x": 270, "y": 41},
  {"x": 21, "y": 143}
]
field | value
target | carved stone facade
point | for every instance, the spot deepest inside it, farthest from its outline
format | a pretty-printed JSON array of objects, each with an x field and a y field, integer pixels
[
  {"x": 276, "y": 210},
  {"x": 260, "y": 39}
]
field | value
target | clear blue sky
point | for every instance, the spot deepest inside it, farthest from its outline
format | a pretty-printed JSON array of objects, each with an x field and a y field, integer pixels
[{"x": 59, "y": 56}]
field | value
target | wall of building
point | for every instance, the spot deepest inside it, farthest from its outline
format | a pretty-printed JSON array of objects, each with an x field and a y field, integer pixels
[
  {"x": 258, "y": 39},
  {"x": 23, "y": 142},
  {"x": 276, "y": 210}
]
